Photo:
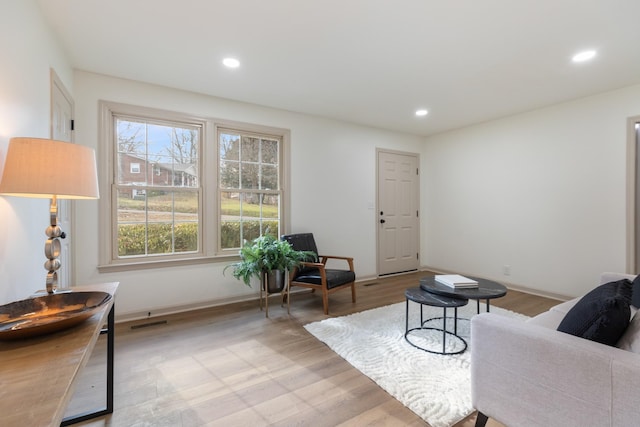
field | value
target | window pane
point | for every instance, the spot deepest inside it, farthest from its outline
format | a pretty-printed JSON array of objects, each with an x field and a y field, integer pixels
[
  {"x": 229, "y": 174},
  {"x": 250, "y": 149},
  {"x": 250, "y": 175},
  {"x": 131, "y": 220},
  {"x": 250, "y": 230},
  {"x": 269, "y": 177},
  {"x": 130, "y": 136},
  {"x": 270, "y": 151},
  {"x": 230, "y": 205},
  {"x": 230, "y": 234},
  {"x": 159, "y": 238},
  {"x": 230, "y": 220},
  {"x": 251, "y": 205},
  {"x": 229, "y": 147},
  {"x": 270, "y": 206}
]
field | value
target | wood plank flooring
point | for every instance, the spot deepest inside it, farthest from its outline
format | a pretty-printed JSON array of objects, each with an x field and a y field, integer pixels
[{"x": 231, "y": 366}]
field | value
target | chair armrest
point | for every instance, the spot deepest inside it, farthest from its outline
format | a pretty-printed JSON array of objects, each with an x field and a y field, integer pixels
[
  {"x": 320, "y": 266},
  {"x": 527, "y": 375},
  {"x": 312, "y": 264},
  {"x": 349, "y": 260}
]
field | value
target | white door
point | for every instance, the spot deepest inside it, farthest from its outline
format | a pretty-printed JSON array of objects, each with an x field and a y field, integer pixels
[
  {"x": 398, "y": 216},
  {"x": 61, "y": 130}
]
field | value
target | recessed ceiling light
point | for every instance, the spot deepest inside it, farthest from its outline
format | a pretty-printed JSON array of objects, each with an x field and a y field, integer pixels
[
  {"x": 421, "y": 113},
  {"x": 231, "y": 62},
  {"x": 584, "y": 56}
]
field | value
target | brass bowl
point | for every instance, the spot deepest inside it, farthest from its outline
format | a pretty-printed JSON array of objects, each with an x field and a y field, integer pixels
[{"x": 49, "y": 313}]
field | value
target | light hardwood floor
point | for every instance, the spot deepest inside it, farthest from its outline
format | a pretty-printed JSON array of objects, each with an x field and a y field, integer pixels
[{"x": 231, "y": 366}]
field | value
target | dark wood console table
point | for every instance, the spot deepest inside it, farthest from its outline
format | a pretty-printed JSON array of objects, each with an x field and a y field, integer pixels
[{"x": 38, "y": 375}]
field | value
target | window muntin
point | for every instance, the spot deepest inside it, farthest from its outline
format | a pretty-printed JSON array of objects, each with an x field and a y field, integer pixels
[
  {"x": 157, "y": 202},
  {"x": 249, "y": 186}
]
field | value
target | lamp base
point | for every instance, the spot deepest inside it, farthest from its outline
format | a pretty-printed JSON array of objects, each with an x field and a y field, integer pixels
[{"x": 52, "y": 247}]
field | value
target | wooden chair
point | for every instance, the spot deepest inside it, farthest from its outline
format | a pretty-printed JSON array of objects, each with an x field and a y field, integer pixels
[{"x": 315, "y": 275}]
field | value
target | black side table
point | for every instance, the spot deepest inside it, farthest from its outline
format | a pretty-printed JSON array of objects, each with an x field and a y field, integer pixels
[{"x": 423, "y": 298}]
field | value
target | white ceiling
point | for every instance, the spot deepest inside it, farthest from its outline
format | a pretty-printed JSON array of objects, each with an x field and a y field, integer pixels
[{"x": 372, "y": 62}]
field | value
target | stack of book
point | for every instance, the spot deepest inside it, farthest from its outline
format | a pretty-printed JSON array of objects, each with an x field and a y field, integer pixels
[{"x": 456, "y": 281}]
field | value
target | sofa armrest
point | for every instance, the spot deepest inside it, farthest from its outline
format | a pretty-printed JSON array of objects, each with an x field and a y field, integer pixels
[{"x": 527, "y": 375}]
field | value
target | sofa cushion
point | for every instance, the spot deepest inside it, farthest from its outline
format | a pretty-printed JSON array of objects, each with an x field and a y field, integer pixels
[
  {"x": 630, "y": 340},
  {"x": 602, "y": 315}
]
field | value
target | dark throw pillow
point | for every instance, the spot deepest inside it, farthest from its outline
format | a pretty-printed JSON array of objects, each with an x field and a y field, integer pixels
[
  {"x": 635, "y": 299},
  {"x": 602, "y": 315}
]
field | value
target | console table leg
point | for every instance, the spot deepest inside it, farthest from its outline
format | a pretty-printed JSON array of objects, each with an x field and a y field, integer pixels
[{"x": 110, "y": 332}]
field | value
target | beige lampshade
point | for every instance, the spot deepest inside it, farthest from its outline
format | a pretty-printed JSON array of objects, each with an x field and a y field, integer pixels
[{"x": 43, "y": 168}]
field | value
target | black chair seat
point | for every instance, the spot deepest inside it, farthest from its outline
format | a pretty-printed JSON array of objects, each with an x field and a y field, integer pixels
[{"x": 335, "y": 278}]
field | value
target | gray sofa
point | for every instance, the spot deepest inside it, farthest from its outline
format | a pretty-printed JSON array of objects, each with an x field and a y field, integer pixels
[{"x": 525, "y": 373}]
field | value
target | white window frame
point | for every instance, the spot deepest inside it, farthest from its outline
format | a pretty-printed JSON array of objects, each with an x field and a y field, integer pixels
[{"x": 209, "y": 224}]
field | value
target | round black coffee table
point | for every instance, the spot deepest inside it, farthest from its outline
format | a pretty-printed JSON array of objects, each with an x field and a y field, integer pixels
[
  {"x": 486, "y": 290},
  {"x": 421, "y": 297}
]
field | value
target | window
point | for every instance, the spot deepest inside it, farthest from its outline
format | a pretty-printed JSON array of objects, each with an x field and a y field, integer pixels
[
  {"x": 135, "y": 168},
  {"x": 184, "y": 189},
  {"x": 249, "y": 186}
]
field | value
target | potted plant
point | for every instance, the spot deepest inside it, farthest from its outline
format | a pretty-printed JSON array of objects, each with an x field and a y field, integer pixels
[{"x": 266, "y": 256}]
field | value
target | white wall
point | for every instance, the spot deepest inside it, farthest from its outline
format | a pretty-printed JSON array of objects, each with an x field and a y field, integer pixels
[
  {"x": 28, "y": 51},
  {"x": 542, "y": 192},
  {"x": 332, "y": 191}
]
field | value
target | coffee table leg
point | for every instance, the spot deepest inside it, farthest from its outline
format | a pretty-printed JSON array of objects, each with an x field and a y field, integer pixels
[
  {"x": 406, "y": 327},
  {"x": 455, "y": 320},
  {"x": 487, "y": 305},
  {"x": 444, "y": 331},
  {"x": 478, "y": 302}
]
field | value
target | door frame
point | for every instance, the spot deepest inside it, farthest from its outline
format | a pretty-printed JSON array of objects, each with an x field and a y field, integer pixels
[
  {"x": 377, "y": 207},
  {"x": 633, "y": 187},
  {"x": 67, "y": 206}
]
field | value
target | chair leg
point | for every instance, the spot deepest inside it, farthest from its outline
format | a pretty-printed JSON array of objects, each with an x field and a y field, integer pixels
[
  {"x": 481, "y": 420},
  {"x": 325, "y": 301},
  {"x": 353, "y": 292},
  {"x": 287, "y": 295}
]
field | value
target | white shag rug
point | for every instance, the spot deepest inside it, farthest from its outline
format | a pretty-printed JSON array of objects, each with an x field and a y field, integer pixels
[{"x": 436, "y": 387}]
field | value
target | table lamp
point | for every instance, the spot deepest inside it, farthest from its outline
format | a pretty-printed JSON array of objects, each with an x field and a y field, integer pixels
[{"x": 45, "y": 168}]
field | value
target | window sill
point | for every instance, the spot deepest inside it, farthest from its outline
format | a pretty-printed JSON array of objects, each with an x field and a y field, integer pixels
[{"x": 163, "y": 263}]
